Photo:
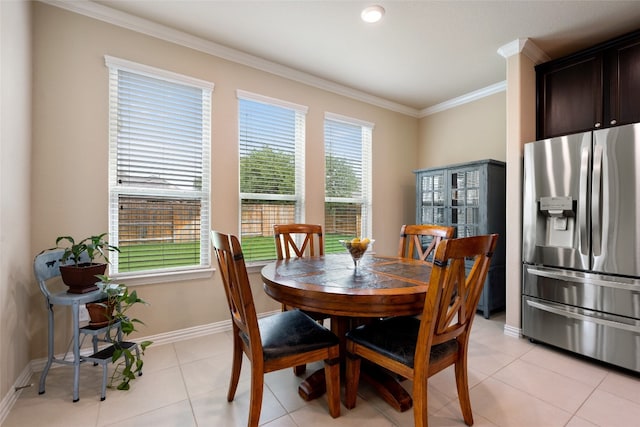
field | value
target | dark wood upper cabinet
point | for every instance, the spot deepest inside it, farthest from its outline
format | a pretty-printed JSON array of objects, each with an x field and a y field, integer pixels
[
  {"x": 570, "y": 97},
  {"x": 595, "y": 88},
  {"x": 624, "y": 84}
]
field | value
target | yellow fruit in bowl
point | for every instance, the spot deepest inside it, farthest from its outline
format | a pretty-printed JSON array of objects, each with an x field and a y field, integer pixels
[{"x": 356, "y": 246}]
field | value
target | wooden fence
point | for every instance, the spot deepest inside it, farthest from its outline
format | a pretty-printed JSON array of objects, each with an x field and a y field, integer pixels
[
  {"x": 144, "y": 220},
  {"x": 258, "y": 219}
]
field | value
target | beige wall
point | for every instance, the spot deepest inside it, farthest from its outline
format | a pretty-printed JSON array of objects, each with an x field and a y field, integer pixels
[
  {"x": 70, "y": 154},
  {"x": 15, "y": 148},
  {"x": 473, "y": 131}
]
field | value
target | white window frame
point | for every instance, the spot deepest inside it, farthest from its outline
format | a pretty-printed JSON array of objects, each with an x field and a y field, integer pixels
[
  {"x": 204, "y": 268},
  {"x": 300, "y": 135},
  {"x": 365, "y": 199}
]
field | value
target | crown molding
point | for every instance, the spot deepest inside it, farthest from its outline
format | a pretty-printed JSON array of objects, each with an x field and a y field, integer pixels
[
  {"x": 527, "y": 48},
  {"x": 144, "y": 26},
  {"x": 464, "y": 99}
]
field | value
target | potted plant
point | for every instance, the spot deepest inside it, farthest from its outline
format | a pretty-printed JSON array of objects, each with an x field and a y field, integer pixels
[
  {"x": 79, "y": 267},
  {"x": 118, "y": 301},
  {"x": 101, "y": 312}
]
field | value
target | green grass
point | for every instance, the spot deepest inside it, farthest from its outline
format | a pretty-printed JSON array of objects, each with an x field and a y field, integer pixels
[
  {"x": 258, "y": 248},
  {"x": 262, "y": 248},
  {"x": 160, "y": 255},
  {"x": 331, "y": 244}
]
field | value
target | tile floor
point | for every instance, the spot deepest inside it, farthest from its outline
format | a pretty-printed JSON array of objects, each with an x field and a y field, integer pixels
[{"x": 513, "y": 383}]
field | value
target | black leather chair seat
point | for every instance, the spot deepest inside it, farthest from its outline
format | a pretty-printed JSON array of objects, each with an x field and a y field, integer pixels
[
  {"x": 292, "y": 332},
  {"x": 396, "y": 337}
]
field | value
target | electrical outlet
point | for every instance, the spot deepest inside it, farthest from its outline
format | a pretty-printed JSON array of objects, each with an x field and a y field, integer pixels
[{"x": 83, "y": 314}]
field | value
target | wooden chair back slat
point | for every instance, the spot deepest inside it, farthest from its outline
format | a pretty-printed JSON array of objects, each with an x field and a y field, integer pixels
[
  {"x": 298, "y": 240},
  {"x": 454, "y": 309},
  {"x": 413, "y": 236},
  {"x": 237, "y": 288}
]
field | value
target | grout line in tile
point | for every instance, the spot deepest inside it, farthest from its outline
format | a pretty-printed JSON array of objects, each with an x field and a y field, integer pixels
[{"x": 184, "y": 383}]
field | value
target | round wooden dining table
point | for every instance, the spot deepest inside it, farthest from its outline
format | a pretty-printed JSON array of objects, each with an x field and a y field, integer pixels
[{"x": 331, "y": 284}]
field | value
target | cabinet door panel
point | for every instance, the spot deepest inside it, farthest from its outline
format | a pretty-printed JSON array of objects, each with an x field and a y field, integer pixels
[
  {"x": 431, "y": 192},
  {"x": 625, "y": 89},
  {"x": 570, "y": 98},
  {"x": 465, "y": 201},
  {"x": 431, "y": 215}
]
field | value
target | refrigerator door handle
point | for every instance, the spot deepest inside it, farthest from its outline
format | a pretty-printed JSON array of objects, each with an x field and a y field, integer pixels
[
  {"x": 572, "y": 314},
  {"x": 582, "y": 208},
  {"x": 596, "y": 237}
]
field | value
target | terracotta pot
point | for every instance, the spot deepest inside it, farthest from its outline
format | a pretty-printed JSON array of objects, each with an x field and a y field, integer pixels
[
  {"x": 81, "y": 279},
  {"x": 100, "y": 313}
]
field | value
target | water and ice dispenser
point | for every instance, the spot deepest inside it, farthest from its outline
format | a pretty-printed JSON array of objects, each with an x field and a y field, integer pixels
[{"x": 559, "y": 212}]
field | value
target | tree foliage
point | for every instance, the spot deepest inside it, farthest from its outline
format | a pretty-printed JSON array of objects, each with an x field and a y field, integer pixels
[
  {"x": 273, "y": 172},
  {"x": 341, "y": 179},
  {"x": 267, "y": 171}
]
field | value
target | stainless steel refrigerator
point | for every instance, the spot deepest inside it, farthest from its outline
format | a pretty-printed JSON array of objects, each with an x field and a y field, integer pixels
[{"x": 581, "y": 244}]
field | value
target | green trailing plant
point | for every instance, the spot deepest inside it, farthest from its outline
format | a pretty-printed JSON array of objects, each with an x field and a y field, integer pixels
[
  {"x": 128, "y": 364},
  {"x": 93, "y": 246}
]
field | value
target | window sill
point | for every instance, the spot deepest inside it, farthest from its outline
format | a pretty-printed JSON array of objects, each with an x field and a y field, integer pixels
[
  {"x": 154, "y": 278},
  {"x": 256, "y": 267}
]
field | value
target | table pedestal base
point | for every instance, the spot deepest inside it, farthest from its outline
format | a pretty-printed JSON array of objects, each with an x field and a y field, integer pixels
[
  {"x": 387, "y": 386},
  {"x": 313, "y": 387},
  {"x": 389, "y": 389}
]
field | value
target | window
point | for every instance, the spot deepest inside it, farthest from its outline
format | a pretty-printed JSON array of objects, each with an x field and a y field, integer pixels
[
  {"x": 271, "y": 143},
  {"x": 347, "y": 214},
  {"x": 159, "y": 174}
]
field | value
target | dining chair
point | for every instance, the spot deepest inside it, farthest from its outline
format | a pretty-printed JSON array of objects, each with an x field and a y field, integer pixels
[
  {"x": 412, "y": 237},
  {"x": 299, "y": 240},
  {"x": 279, "y": 341},
  {"x": 417, "y": 348}
]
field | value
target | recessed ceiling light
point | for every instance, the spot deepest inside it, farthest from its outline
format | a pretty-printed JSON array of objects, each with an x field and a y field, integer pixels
[{"x": 372, "y": 14}]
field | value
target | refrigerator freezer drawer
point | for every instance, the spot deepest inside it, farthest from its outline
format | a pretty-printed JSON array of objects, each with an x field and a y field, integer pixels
[
  {"x": 611, "y": 339},
  {"x": 609, "y": 294}
]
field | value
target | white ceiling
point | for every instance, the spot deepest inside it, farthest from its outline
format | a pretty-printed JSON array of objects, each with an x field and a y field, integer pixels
[{"x": 423, "y": 52}]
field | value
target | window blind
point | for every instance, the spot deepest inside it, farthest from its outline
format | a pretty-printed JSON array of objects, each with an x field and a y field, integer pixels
[
  {"x": 271, "y": 148},
  {"x": 159, "y": 133},
  {"x": 347, "y": 181},
  {"x": 159, "y": 169}
]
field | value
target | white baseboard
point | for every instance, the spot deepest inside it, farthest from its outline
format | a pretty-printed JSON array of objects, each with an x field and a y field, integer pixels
[
  {"x": 512, "y": 331},
  {"x": 10, "y": 399}
]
